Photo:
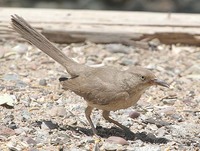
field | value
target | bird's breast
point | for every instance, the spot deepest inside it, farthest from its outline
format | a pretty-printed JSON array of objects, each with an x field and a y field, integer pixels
[{"x": 117, "y": 105}]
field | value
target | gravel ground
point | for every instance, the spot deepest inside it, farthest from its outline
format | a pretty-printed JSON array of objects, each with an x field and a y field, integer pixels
[{"x": 36, "y": 114}]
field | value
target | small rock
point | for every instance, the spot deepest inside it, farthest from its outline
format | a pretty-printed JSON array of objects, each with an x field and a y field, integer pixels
[
  {"x": 152, "y": 127},
  {"x": 12, "y": 125},
  {"x": 19, "y": 131},
  {"x": 57, "y": 111},
  {"x": 71, "y": 121},
  {"x": 7, "y": 99},
  {"x": 21, "y": 49},
  {"x": 117, "y": 48},
  {"x": 134, "y": 114},
  {"x": 117, "y": 140},
  {"x": 43, "y": 82},
  {"x": 10, "y": 77},
  {"x": 20, "y": 84},
  {"x": 178, "y": 117},
  {"x": 5, "y": 131},
  {"x": 25, "y": 115},
  {"x": 154, "y": 43},
  {"x": 161, "y": 132},
  {"x": 31, "y": 141},
  {"x": 53, "y": 112},
  {"x": 8, "y": 119},
  {"x": 61, "y": 111},
  {"x": 13, "y": 67},
  {"x": 169, "y": 101}
]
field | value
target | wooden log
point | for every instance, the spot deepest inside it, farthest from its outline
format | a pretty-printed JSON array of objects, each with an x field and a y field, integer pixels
[{"x": 130, "y": 28}]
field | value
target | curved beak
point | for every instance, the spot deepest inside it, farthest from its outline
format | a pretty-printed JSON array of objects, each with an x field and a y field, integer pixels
[{"x": 161, "y": 83}]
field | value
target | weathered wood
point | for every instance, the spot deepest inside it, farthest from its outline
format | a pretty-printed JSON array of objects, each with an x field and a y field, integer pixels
[{"x": 131, "y": 28}]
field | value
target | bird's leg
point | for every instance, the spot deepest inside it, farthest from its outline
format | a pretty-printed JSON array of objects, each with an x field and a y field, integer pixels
[
  {"x": 106, "y": 116},
  {"x": 88, "y": 112}
]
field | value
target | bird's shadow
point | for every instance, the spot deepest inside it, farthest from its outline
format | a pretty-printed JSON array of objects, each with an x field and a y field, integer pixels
[
  {"x": 106, "y": 132},
  {"x": 115, "y": 131}
]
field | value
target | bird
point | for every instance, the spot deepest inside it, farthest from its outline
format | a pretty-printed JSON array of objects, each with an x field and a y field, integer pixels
[{"x": 105, "y": 88}]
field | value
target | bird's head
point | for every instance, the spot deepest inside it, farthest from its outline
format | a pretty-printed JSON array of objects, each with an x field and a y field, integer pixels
[{"x": 145, "y": 78}]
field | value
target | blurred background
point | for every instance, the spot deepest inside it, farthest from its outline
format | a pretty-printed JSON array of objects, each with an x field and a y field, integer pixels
[{"x": 181, "y": 6}]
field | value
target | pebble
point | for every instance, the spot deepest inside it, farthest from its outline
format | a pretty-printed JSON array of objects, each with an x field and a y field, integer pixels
[
  {"x": 25, "y": 115},
  {"x": 134, "y": 114},
  {"x": 57, "y": 111},
  {"x": 19, "y": 131},
  {"x": 8, "y": 100},
  {"x": 161, "y": 131},
  {"x": 178, "y": 117},
  {"x": 31, "y": 141},
  {"x": 10, "y": 77},
  {"x": 21, "y": 48},
  {"x": 117, "y": 48},
  {"x": 61, "y": 112},
  {"x": 20, "y": 84},
  {"x": 152, "y": 127},
  {"x": 43, "y": 82},
  {"x": 71, "y": 121},
  {"x": 13, "y": 67},
  {"x": 5, "y": 131},
  {"x": 12, "y": 125},
  {"x": 169, "y": 101},
  {"x": 25, "y": 99},
  {"x": 117, "y": 140}
]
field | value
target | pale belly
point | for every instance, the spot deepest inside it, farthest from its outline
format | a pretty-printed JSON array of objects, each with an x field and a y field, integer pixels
[{"x": 116, "y": 105}]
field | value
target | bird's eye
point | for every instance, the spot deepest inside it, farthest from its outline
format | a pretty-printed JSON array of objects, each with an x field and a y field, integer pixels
[{"x": 143, "y": 78}]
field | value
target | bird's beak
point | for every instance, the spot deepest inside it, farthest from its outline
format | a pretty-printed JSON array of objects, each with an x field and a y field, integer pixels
[{"x": 161, "y": 83}]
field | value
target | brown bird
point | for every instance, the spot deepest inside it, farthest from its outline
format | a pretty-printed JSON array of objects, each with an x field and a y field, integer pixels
[{"x": 105, "y": 88}]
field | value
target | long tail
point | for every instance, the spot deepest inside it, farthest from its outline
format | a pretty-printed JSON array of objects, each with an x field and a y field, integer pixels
[{"x": 37, "y": 39}]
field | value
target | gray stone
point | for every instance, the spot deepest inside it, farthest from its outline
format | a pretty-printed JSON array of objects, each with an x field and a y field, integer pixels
[{"x": 42, "y": 82}]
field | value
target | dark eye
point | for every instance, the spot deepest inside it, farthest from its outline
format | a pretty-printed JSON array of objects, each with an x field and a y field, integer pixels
[{"x": 143, "y": 78}]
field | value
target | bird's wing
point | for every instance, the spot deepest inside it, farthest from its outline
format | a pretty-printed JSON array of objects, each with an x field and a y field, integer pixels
[{"x": 99, "y": 91}]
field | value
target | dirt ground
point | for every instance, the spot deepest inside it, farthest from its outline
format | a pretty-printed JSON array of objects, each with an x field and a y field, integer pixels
[{"x": 36, "y": 114}]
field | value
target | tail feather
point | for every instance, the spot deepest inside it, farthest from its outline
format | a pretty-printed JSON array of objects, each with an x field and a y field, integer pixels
[{"x": 37, "y": 39}]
